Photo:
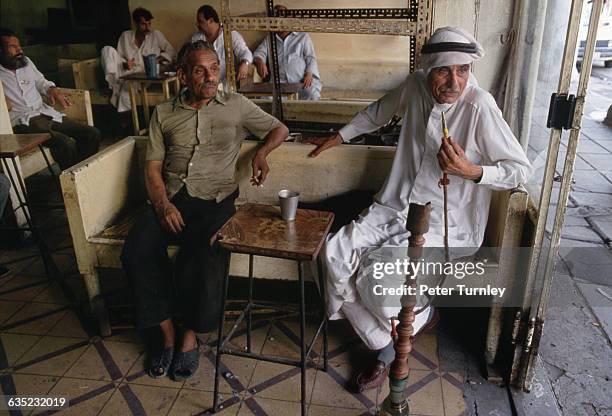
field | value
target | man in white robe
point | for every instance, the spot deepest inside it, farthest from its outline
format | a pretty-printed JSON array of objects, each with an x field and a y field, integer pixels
[
  {"x": 209, "y": 30},
  {"x": 128, "y": 57},
  {"x": 297, "y": 61},
  {"x": 481, "y": 155}
]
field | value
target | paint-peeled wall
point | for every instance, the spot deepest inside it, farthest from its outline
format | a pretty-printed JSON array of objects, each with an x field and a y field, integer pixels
[{"x": 359, "y": 62}]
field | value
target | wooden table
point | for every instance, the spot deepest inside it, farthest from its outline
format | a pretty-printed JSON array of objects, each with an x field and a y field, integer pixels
[
  {"x": 11, "y": 147},
  {"x": 262, "y": 89},
  {"x": 141, "y": 79},
  {"x": 259, "y": 230}
]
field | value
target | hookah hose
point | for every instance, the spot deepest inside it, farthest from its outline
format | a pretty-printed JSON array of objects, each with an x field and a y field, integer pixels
[{"x": 442, "y": 183}]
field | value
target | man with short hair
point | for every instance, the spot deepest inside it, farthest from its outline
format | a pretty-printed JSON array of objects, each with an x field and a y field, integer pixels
[
  {"x": 190, "y": 176},
  {"x": 482, "y": 155},
  {"x": 128, "y": 57},
  {"x": 210, "y": 30},
  {"x": 24, "y": 88},
  {"x": 297, "y": 61}
]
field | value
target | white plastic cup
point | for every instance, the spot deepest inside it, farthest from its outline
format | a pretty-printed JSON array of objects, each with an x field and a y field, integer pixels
[{"x": 288, "y": 203}]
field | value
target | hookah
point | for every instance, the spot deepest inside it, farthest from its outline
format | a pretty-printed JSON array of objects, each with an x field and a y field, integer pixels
[{"x": 417, "y": 223}]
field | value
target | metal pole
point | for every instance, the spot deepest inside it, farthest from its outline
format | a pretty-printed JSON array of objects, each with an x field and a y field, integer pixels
[
  {"x": 549, "y": 173},
  {"x": 539, "y": 307}
]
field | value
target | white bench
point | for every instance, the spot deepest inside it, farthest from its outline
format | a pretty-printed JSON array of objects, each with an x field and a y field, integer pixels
[{"x": 102, "y": 195}]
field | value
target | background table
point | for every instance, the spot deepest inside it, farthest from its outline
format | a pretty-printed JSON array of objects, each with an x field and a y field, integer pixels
[
  {"x": 11, "y": 147},
  {"x": 141, "y": 78},
  {"x": 259, "y": 230},
  {"x": 262, "y": 89}
]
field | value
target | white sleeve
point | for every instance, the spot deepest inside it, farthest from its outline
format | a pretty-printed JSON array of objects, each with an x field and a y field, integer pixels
[
  {"x": 42, "y": 84},
  {"x": 262, "y": 50},
  {"x": 309, "y": 55},
  {"x": 197, "y": 36},
  {"x": 241, "y": 50},
  {"x": 123, "y": 48},
  {"x": 375, "y": 115},
  {"x": 166, "y": 49},
  {"x": 505, "y": 164}
]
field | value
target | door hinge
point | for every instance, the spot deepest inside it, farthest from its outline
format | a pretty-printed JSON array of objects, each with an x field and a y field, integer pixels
[{"x": 561, "y": 111}]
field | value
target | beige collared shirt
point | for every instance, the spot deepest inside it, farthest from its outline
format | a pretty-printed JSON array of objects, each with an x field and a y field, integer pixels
[{"x": 199, "y": 148}]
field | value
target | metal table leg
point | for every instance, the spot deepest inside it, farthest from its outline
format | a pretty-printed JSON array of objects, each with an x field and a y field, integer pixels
[
  {"x": 17, "y": 182},
  {"x": 302, "y": 337},
  {"x": 220, "y": 334},
  {"x": 322, "y": 289},
  {"x": 249, "y": 304},
  {"x": 50, "y": 168}
]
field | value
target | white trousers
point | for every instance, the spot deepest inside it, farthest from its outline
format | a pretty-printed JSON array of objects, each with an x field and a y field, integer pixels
[
  {"x": 342, "y": 254},
  {"x": 112, "y": 65}
]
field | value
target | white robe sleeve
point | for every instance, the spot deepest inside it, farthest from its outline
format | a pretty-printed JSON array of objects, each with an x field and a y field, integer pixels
[
  {"x": 123, "y": 47},
  {"x": 241, "y": 50},
  {"x": 262, "y": 50},
  {"x": 42, "y": 84},
  {"x": 166, "y": 49},
  {"x": 374, "y": 116},
  {"x": 504, "y": 163},
  {"x": 309, "y": 56}
]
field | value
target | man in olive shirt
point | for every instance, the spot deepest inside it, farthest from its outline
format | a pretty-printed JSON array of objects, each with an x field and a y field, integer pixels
[{"x": 194, "y": 141}]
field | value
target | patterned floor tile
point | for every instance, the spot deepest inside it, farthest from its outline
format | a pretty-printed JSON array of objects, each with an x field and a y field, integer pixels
[
  {"x": 86, "y": 397},
  {"x": 193, "y": 402},
  {"x": 69, "y": 326},
  {"x": 51, "y": 356},
  {"x": 261, "y": 406},
  {"x": 35, "y": 319},
  {"x": 23, "y": 288},
  {"x": 139, "y": 399},
  {"x": 452, "y": 393},
  {"x": 28, "y": 384},
  {"x": 281, "y": 382},
  {"x": 15, "y": 345},
  {"x": 318, "y": 410},
  {"x": 105, "y": 360},
  {"x": 330, "y": 389},
  {"x": 8, "y": 309},
  {"x": 236, "y": 374},
  {"x": 424, "y": 393},
  {"x": 52, "y": 294}
]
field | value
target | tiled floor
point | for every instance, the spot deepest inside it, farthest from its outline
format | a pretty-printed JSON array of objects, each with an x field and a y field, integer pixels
[{"x": 48, "y": 347}]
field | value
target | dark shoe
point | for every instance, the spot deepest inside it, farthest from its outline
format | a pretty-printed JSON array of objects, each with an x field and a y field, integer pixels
[
  {"x": 159, "y": 362},
  {"x": 373, "y": 378},
  {"x": 185, "y": 364}
]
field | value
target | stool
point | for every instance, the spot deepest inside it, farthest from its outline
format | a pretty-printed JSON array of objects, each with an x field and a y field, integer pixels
[{"x": 259, "y": 230}]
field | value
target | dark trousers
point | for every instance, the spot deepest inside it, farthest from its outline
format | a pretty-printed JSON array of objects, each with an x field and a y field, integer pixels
[
  {"x": 200, "y": 267},
  {"x": 71, "y": 141}
]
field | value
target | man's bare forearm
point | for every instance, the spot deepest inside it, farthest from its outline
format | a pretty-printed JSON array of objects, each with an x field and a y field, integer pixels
[
  {"x": 156, "y": 189},
  {"x": 274, "y": 139}
]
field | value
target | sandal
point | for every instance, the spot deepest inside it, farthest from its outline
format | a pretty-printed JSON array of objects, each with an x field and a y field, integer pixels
[
  {"x": 159, "y": 363},
  {"x": 186, "y": 363}
]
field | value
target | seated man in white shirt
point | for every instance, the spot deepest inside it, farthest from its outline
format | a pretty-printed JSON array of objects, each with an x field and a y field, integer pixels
[
  {"x": 24, "y": 87},
  {"x": 128, "y": 57},
  {"x": 209, "y": 30},
  {"x": 296, "y": 61},
  {"x": 481, "y": 155}
]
